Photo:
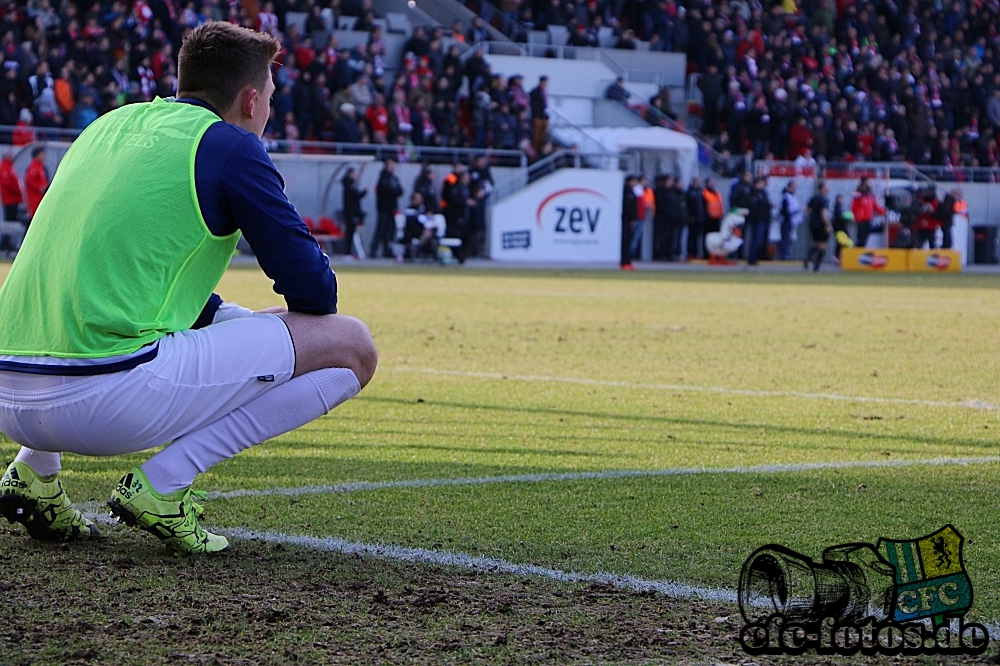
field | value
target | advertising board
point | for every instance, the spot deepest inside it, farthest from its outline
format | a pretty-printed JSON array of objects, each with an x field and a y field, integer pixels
[{"x": 573, "y": 215}]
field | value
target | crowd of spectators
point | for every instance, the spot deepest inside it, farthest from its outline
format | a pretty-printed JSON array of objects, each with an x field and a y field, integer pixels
[
  {"x": 348, "y": 96},
  {"x": 65, "y": 64},
  {"x": 620, "y": 24},
  {"x": 825, "y": 80},
  {"x": 833, "y": 80},
  {"x": 841, "y": 81}
]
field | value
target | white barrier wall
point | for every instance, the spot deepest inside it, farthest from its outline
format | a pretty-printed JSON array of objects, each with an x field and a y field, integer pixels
[
  {"x": 983, "y": 200},
  {"x": 313, "y": 184},
  {"x": 573, "y": 215}
]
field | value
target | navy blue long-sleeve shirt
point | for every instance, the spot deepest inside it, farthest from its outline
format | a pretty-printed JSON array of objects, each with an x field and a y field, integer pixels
[{"x": 239, "y": 188}]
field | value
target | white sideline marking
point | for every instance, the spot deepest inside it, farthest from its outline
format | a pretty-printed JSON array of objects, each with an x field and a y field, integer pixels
[
  {"x": 482, "y": 563},
  {"x": 964, "y": 404},
  {"x": 364, "y": 486},
  {"x": 667, "y": 588}
]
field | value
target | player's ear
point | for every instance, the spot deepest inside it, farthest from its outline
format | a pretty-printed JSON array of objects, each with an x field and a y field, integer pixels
[{"x": 248, "y": 100}]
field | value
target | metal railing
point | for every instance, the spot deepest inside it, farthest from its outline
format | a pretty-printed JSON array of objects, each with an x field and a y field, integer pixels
[
  {"x": 34, "y": 133},
  {"x": 568, "y": 52},
  {"x": 884, "y": 171},
  {"x": 922, "y": 174},
  {"x": 631, "y": 75},
  {"x": 537, "y": 50},
  {"x": 589, "y": 144},
  {"x": 432, "y": 154},
  {"x": 707, "y": 155},
  {"x": 492, "y": 15},
  {"x": 950, "y": 174},
  {"x": 562, "y": 159}
]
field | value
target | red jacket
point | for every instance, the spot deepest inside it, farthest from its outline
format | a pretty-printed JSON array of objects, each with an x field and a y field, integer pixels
[
  {"x": 23, "y": 134},
  {"x": 927, "y": 218},
  {"x": 864, "y": 207},
  {"x": 35, "y": 183},
  {"x": 799, "y": 138},
  {"x": 10, "y": 184}
]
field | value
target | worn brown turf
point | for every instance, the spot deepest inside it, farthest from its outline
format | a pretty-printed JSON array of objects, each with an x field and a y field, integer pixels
[{"x": 126, "y": 601}]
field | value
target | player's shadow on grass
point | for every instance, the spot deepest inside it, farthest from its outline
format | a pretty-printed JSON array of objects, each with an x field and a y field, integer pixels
[{"x": 770, "y": 427}]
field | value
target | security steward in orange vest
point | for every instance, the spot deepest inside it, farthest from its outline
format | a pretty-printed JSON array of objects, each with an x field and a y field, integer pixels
[{"x": 713, "y": 207}]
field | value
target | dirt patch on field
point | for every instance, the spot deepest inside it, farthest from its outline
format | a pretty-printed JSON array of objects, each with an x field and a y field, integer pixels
[{"x": 126, "y": 601}]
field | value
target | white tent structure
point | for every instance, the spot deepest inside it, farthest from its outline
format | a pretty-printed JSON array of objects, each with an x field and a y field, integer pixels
[{"x": 661, "y": 150}]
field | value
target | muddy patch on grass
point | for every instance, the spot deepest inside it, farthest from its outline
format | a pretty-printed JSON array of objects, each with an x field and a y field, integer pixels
[{"x": 126, "y": 601}]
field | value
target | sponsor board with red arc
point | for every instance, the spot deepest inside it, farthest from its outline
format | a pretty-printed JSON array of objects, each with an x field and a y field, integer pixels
[{"x": 559, "y": 193}]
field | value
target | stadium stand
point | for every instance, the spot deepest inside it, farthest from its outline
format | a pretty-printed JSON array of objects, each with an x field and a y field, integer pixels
[
  {"x": 412, "y": 83},
  {"x": 835, "y": 81},
  {"x": 917, "y": 81}
]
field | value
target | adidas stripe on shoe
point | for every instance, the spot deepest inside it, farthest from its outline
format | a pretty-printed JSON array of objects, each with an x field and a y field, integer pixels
[
  {"x": 173, "y": 518},
  {"x": 41, "y": 505}
]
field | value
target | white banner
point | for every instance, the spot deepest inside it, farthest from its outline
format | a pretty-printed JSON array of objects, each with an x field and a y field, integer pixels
[{"x": 571, "y": 215}]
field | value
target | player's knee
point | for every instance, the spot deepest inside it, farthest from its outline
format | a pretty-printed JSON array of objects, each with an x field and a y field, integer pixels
[{"x": 361, "y": 351}]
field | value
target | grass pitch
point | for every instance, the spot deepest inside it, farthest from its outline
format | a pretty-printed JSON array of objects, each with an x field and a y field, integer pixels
[{"x": 487, "y": 374}]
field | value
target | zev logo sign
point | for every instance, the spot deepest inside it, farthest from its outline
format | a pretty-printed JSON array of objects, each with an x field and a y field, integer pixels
[
  {"x": 572, "y": 215},
  {"x": 574, "y": 211}
]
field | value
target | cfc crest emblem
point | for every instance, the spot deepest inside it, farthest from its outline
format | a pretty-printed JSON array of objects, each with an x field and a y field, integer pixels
[{"x": 930, "y": 576}]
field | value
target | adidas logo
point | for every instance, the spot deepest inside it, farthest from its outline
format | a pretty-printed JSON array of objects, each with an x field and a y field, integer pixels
[
  {"x": 13, "y": 483},
  {"x": 12, "y": 480},
  {"x": 125, "y": 486}
]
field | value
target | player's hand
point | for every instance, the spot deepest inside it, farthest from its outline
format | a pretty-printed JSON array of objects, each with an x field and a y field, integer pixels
[{"x": 277, "y": 309}]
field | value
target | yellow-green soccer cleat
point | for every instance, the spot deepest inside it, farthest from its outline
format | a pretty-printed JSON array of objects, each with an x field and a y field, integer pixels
[
  {"x": 173, "y": 518},
  {"x": 40, "y": 504}
]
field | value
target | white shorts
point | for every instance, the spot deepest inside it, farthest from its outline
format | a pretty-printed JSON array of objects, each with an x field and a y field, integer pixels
[{"x": 196, "y": 378}]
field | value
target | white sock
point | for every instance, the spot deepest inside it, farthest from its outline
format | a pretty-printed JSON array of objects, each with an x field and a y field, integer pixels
[
  {"x": 280, "y": 410},
  {"x": 42, "y": 462}
]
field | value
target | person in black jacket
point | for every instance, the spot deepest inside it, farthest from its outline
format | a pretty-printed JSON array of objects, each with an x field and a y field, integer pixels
[
  {"x": 669, "y": 219},
  {"x": 819, "y": 225},
  {"x": 387, "y": 194},
  {"x": 759, "y": 220},
  {"x": 460, "y": 202},
  {"x": 630, "y": 217},
  {"x": 428, "y": 190},
  {"x": 481, "y": 188},
  {"x": 946, "y": 213},
  {"x": 678, "y": 217},
  {"x": 696, "y": 219},
  {"x": 711, "y": 83},
  {"x": 739, "y": 197},
  {"x": 353, "y": 215},
  {"x": 539, "y": 114}
]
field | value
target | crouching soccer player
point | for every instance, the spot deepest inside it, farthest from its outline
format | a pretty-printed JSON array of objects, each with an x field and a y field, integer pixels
[{"x": 111, "y": 340}]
